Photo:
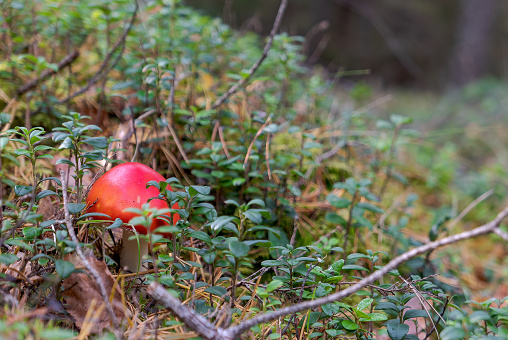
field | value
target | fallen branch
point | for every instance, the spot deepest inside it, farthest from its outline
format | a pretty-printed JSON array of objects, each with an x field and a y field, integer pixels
[
  {"x": 233, "y": 89},
  {"x": 192, "y": 319},
  {"x": 47, "y": 73},
  {"x": 208, "y": 331}
]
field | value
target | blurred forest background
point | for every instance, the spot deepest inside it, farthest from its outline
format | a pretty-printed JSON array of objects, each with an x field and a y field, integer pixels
[{"x": 424, "y": 44}]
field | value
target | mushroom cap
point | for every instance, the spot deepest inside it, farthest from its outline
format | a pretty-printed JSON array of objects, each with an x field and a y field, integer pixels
[{"x": 124, "y": 186}]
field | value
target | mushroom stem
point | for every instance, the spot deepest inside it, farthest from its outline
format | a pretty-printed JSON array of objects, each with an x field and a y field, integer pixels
[{"x": 130, "y": 257}]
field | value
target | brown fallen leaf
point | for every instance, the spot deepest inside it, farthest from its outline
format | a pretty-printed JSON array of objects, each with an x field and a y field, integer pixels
[{"x": 81, "y": 289}]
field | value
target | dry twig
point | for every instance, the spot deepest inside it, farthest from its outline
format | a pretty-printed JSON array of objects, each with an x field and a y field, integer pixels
[
  {"x": 89, "y": 267},
  {"x": 233, "y": 89}
]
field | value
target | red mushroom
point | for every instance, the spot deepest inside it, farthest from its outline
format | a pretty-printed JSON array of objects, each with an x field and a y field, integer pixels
[{"x": 122, "y": 187}]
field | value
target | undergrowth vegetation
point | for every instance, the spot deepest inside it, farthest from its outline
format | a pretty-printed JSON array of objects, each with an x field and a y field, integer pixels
[{"x": 287, "y": 191}]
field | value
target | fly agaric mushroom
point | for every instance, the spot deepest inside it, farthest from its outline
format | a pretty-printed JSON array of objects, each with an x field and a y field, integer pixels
[{"x": 122, "y": 187}]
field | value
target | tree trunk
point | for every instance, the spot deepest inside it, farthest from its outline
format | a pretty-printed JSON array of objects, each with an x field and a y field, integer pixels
[{"x": 472, "y": 40}]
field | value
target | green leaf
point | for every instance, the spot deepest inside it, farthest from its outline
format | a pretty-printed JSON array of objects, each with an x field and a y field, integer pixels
[
  {"x": 21, "y": 190},
  {"x": 238, "y": 181},
  {"x": 3, "y": 142},
  {"x": 273, "y": 285},
  {"x": 233, "y": 202},
  {"x": 338, "y": 202},
  {"x": 260, "y": 243},
  {"x": 97, "y": 142},
  {"x": 197, "y": 189},
  {"x": 370, "y": 207},
  {"x": 262, "y": 227},
  {"x": 200, "y": 235},
  {"x": 355, "y": 256},
  {"x": 123, "y": 85},
  {"x": 8, "y": 259},
  {"x": 452, "y": 333},
  {"x": 218, "y": 291},
  {"x": 75, "y": 208},
  {"x": 118, "y": 223},
  {"x": 335, "y": 218},
  {"x": 364, "y": 304},
  {"x": 42, "y": 255},
  {"x": 47, "y": 223},
  {"x": 398, "y": 331},
  {"x": 19, "y": 243},
  {"x": 32, "y": 232},
  {"x": 479, "y": 315},
  {"x": 272, "y": 263},
  {"x": 66, "y": 144},
  {"x": 169, "y": 229},
  {"x": 64, "y": 161},
  {"x": 238, "y": 249},
  {"x": 415, "y": 313},
  {"x": 221, "y": 221},
  {"x": 253, "y": 216},
  {"x": 375, "y": 317},
  {"x": 350, "y": 325},
  {"x": 354, "y": 267},
  {"x": 45, "y": 157},
  {"x": 94, "y": 215},
  {"x": 56, "y": 334},
  {"x": 22, "y": 152},
  {"x": 330, "y": 309},
  {"x": 51, "y": 179},
  {"x": 400, "y": 120},
  {"x": 334, "y": 279},
  {"x": 209, "y": 256},
  {"x": 43, "y": 147},
  {"x": 256, "y": 201},
  {"x": 64, "y": 268},
  {"x": 45, "y": 193},
  {"x": 271, "y": 128},
  {"x": 4, "y": 118}
]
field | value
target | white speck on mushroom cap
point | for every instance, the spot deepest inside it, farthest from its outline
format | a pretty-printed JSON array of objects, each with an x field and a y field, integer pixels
[{"x": 138, "y": 199}]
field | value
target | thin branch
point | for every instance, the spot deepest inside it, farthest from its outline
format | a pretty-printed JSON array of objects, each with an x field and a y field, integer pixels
[
  {"x": 194, "y": 321},
  {"x": 393, "y": 264},
  {"x": 47, "y": 73},
  {"x": 104, "y": 69},
  {"x": 91, "y": 269},
  {"x": 502, "y": 234},
  {"x": 233, "y": 89},
  {"x": 423, "y": 303}
]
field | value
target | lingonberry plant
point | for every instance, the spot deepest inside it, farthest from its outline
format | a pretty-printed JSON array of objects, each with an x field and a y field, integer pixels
[{"x": 301, "y": 213}]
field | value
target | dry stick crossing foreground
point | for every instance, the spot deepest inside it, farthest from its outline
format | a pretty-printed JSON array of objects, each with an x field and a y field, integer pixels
[{"x": 208, "y": 331}]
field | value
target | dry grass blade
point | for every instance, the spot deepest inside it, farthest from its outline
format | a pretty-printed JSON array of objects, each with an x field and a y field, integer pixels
[
  {"x": 249, "y": 150},
  {"x": 423, "y": 303},
  {"x": 470, "y": 207},
  {"x": 178, "y": 144}
]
